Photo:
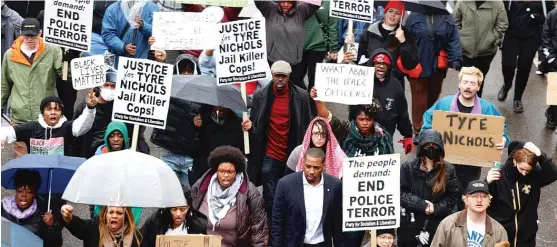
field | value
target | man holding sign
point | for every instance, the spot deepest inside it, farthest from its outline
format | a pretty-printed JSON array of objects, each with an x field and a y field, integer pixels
[{"x": 466, "y": 101}]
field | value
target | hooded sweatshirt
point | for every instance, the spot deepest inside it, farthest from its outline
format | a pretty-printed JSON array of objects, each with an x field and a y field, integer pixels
[
  {"x": 44, "y": 139},
  {"x": 113, "y": 126}
]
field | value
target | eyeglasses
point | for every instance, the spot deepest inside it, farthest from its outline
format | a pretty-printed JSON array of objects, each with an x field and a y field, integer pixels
[
  {"x": 30, "y": 37},
  {"x": 386, "y": 237},
  {"x": 227, "y": 172},
  {"x": 319, "y": 134},
  {"x": 481, "y": 196}
]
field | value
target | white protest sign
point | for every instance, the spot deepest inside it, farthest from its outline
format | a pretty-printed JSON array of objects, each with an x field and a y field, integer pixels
[
  {"x": 187, "y": 30},
  {"x": 358, "y": 10},
  {"x": 344, "y": 83},
  {"x": 142, "y": 92},
  {"x": 242, "y": 54},
  {"x": 88, "y": 72},
  {"x": 68, "y": 23},
  {"x": 371, "y": 193}
]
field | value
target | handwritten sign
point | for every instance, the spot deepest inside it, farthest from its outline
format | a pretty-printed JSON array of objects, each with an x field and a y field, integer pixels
[
  {"x": 552, "y": 88},
  {"x": 188, "y": 240},
  {"x": 68, "y": 23},
  {"x": 371, "y": 193},
  {"x": 344, "y": 83},
  {"x": 142, "y": 92},
  {"x": 242, "y": 54},
  {"x": 470, "y": 139},
  {"x": 186, "y": 30},
  {"x": 88, "y": 72},
  {"x": 227, "y": 3},
  {"x": 358, "y": 10}
]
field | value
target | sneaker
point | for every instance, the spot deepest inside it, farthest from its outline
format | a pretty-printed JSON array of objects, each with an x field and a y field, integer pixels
[
  {"x": 502, "y": 95},
  {"x": 538, "y": 72},
  {"x": 517, "y": 106},
  {"x": 550, "y": 123}
]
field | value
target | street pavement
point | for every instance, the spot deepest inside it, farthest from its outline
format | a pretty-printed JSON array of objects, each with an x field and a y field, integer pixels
[{"x": 527, "y": 126}]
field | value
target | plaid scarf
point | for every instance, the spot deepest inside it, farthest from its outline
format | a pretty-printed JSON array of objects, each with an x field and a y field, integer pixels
[{"x": 357, "y": 145}]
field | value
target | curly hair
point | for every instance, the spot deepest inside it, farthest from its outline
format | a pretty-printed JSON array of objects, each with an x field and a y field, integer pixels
[
  {"x": 229, "y": 154},
  {"x": 372, "y": 110},
  {"x": 26, "y": 177}
]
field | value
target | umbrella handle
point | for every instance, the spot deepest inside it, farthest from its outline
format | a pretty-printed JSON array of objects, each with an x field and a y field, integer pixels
[{"x": 49, "y": 187}]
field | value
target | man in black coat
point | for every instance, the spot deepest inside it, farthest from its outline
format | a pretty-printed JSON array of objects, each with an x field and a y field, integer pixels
[{"x": 308, "y": 207}]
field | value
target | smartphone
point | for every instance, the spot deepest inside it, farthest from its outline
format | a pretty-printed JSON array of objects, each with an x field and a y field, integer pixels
[
  {"x": 97, "y": 91},
  {"x": 496, "y": 164}
]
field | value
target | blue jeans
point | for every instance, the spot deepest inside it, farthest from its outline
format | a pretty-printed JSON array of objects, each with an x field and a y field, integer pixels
[
  {"x": 181, "y": 165},
  {"x": 271, "y": 171}
]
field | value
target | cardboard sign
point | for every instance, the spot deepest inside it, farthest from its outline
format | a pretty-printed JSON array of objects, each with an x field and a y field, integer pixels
[
  {"x": 188, "y": 240},
  {"x": 88, "y": 72},
  {"x": 172, "y": 33},
  {"x": 552, "y": 88},
  {"x": 242, "y": 54},
  {"x": 470, "y": 139},
  {"x": 227, "y": 3},
  {"x": 358, "y": 10},
  {"x": 344, "y": 83},
  {"x": 68, "y": 23},
  {"x": 371, "y": 193},
  {"x": 314, "y": 2},
  {"x": 142, "y": 92}
]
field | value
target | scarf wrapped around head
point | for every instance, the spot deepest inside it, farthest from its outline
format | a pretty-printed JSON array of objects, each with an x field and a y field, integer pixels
[
  {"x": 357, "y": 145},
  {"x": 333, "y": 152}
]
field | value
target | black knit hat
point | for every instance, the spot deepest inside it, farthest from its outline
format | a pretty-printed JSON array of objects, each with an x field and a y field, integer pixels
[
  {"x": 386, "y": 231},
  {"x": 50, "y": 99}
]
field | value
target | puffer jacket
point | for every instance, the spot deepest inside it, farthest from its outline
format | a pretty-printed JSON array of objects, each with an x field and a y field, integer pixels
[
  {"x": 481, "y": 28},
  {"x": 548, "y": 47},
  {"x": 251, "y": 221},
  {"x": 415, "y": 189}
]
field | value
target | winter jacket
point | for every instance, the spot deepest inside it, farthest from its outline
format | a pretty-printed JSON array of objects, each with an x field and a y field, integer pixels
[
  {"x": 415, "y": 189},
  {"x": 453, "y": 232},
  {"x": 114, "y": 23},
  {"x": 44, "y": 139},
  {"x": 548, "y": 45},
  {"x": 195, "y": 223},
  {"x": 446, "y": 38},
  {"x": 113, "y": 126},
  {"x": 404, "y": 58},
  {"x": 26, "y": 84},
  {"x": 481, "y": 28},
  {"x": 516, "y": 197},
  {"x": 286, "y": 35},
  {"x": 519, "y": 15},
  {"x": 11, "y": 25},
  {"x": 391, "y": 96},
  {"x": 316, "y": 39},
  {"x": 251, "y": 221},
  {"x": 447, "y": 103},
  {"x": 88, "y": 231}
]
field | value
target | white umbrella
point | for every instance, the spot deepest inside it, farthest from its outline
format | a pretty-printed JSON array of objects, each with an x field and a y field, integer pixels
[{"x": 125, "y": 179}]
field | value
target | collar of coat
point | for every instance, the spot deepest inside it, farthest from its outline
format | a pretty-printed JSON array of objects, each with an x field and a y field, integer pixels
[
  {"x": 17, "y": 54},
  {"x": 461, "y": 221},
  {"x": 472, "y": 5}
]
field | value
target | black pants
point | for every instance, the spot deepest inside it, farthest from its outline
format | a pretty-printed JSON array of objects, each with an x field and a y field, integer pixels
[
  {"x": 465, "y": 175},
  {"x": 518, "y": 54},
  {"x": 482, "y": 63}
]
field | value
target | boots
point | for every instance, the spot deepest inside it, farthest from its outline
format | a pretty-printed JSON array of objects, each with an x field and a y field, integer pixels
[{"x": 550, "y": 123}]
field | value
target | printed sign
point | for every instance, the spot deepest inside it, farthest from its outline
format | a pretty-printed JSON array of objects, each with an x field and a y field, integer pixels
[
  {"x": 201, "y": 31},
  {"x": 68, "y": 23},
  {"x": 464, "y": 134},
  {"x": 50, "y": 146},
  {"x": 88, "y": 72},
  {"x": 344, "y": 83},
  {"x": 227, "y": 3},
  {"x": 242, "y": 54},
  {"x": 552, "y": 88},
  {"x": 142, "y": 92},
  {"x": 358, "y": 10},
  {"x": 371, "y": 193},
  {"x": 188, "y": 240}
]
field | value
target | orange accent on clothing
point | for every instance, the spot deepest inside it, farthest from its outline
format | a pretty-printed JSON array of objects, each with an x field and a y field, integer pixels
[
  {"x": 412, "y": 73},
  {"x": 105, "y": 150},
  {"x": 17, "y": 54}
]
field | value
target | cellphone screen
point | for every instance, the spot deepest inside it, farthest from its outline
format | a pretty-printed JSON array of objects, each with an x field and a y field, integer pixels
[{"x": 497, "y": 164}]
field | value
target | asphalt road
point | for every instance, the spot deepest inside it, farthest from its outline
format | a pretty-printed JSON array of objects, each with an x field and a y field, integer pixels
[{"x": 528, "y": 126}]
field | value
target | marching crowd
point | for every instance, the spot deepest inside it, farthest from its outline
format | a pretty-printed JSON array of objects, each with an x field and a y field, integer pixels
[{"x": 296, "y": 143}]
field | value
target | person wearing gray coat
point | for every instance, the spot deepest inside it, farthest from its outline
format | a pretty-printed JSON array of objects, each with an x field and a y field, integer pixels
[{"x": 11, "y": 25}]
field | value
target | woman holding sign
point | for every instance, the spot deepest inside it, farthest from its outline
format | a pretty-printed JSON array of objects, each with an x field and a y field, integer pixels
[
  {"x": 516, "y": 189},
  {"x": 429, "y": 191}
]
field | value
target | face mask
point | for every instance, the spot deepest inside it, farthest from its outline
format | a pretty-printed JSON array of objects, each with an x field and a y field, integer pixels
[
  {"x": 432, "y": 153},
  {"x": 108, "y": 94}
]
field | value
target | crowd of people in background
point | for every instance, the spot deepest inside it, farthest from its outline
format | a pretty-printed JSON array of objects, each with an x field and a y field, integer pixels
[{"x": 297, "y": 144}]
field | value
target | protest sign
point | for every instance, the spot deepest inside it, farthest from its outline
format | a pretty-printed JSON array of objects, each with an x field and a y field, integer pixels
[
  {"x": 470, "y": 139},
  {"x": 371, "y": 193},
  {"x": 186, "y": 30},
  {"x": 552, "y": 88},
  {"x": 188, "y": 240},
  {"x": 242, "y": 54},
  {"x": 142, "y": 92},
  {"x": 227, "y": 3},
  {"x": 68, "y": 23},
  {"x": 88, "y": 72},
  {"x": 358, "y": 10},
  {"x": 344, "y": 83}
]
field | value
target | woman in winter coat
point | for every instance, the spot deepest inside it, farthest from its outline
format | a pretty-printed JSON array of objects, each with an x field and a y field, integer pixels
[
  {"x": 233, "y": 205},
  {"x": 429, "y": 191},
  {"x": 438, "y": 43},
  {"x": 320, "y": 135},
  {"x": 114, "y": 227},
  {"x": 516, "y": 189},
  {"x": 24, "y": 209}
]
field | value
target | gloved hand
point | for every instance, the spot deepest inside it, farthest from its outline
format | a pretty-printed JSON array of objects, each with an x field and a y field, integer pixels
[
  {"x": 423, "y": 237},
  {"x": 456, "y": 65},
  {"x": 407, "y": 144}
]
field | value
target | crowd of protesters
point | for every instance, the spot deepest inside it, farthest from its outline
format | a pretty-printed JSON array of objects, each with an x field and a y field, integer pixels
[{"x": 297, "y": 144}]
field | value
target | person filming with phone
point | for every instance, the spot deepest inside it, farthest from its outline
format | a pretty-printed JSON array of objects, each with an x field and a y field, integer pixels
[{"x": 516, "y": 189}]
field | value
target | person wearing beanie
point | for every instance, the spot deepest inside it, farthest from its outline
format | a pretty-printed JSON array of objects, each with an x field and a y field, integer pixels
[
  {"x": 52, "y": 132},
  {"x": 386, "y": 237}
]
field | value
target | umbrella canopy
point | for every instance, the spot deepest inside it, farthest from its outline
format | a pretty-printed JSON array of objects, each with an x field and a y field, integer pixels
[
  {"x": 203, "y": 89},
  {"x": 125, "y": 179},
  {"x": 61, "y": 168},
  {"x": 421, "y": 5},
  {"x": 14, "y": 235}
]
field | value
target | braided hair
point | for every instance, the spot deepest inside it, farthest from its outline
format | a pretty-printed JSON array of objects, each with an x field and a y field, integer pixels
[{"x": 372, "y": 110}]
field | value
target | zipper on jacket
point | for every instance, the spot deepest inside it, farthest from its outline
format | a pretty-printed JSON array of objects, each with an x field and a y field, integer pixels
[{"x": 517, "y": 209}]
